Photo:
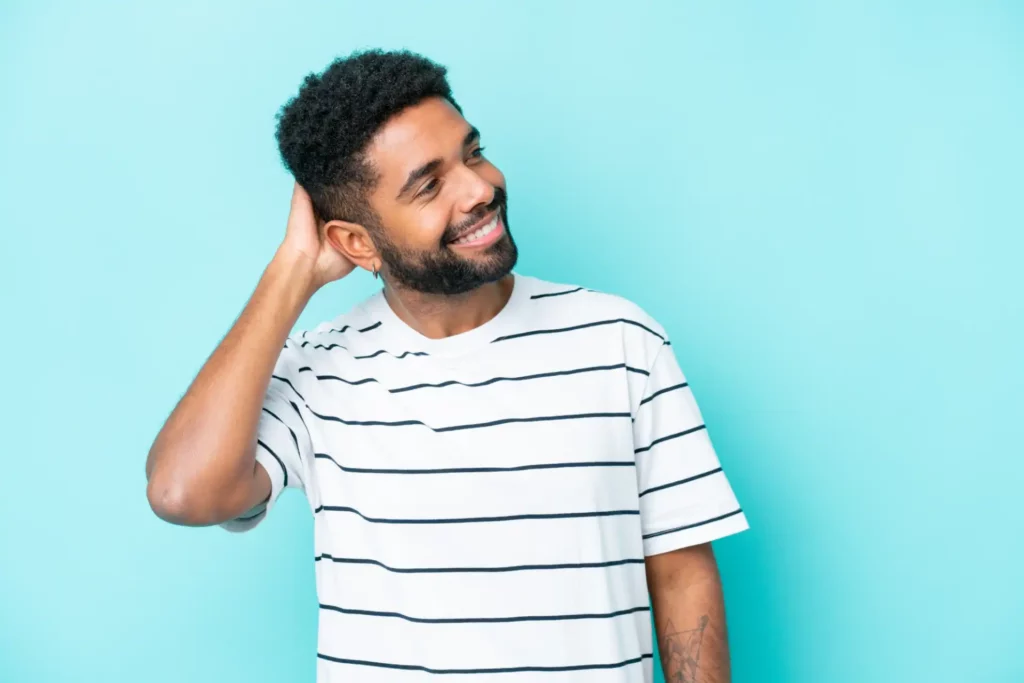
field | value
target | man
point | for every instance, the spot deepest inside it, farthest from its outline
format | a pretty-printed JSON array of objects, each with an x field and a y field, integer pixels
[{"x": 500, "y": 468}]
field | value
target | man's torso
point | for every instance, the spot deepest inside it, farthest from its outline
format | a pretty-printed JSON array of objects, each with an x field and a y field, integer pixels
[{"x": 475, "y": 498}]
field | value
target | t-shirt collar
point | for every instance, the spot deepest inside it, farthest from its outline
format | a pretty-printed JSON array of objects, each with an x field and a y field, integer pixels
[{"x": 398, "y": 332}]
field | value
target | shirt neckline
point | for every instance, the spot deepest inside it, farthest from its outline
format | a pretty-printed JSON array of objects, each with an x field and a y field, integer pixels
[{"x": 482, "y": 335}]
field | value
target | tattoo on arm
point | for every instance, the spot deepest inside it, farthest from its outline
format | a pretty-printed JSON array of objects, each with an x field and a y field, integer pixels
[{"x": 680, "y": 652}]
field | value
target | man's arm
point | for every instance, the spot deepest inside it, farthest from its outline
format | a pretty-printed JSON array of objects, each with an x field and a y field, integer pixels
[
  {"x": 689, "y": 615},
  {"x": 202, "y": 467}
]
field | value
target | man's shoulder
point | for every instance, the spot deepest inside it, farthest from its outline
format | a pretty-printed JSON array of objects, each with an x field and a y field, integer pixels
[
  {"x": 340, "y": 333},
  {"x": 586, "y": 305}
]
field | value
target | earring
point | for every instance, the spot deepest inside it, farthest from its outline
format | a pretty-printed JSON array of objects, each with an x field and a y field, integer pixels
[{"x": 374, "y": 270}]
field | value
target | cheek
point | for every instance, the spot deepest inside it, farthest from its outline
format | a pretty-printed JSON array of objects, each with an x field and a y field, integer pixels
[{"x": 421, "y": 228}]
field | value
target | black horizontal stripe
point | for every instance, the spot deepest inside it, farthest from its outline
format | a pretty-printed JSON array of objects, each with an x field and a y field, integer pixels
[
  {"x": 558, "y": 330},
  {"x": 695, "y": 524},
  {"x": 508, "y": 670},
  {"x": 547, "y": 294},
  {"x": 656, "y": 394},
  {"x": 289, "y": 383},
  {"x": 283, "y": 469},
  {"x": 476, "y": 470},
  {"x": 252, "y": 516},
  {"x": 456, "y": 428},
  {"x": 348, "y": 327},
  {"x": 298, "y": 413},
  {"x": 295, "y": 439},
  {"x": 350, "y": 382},
  {"x": 476, "y": 520},
  {"x": 398, "y": 356},
  {"x": 669, "y": 438},
  {"x": 328, "y": 347},
  {"x": 476, "y": 570},
  {"x": 484, "y": 620},
  {"x": 540, "y": 375},
  {"x": 680, "y": 482},
  {"x": 483, "y": 383},
  {"x": 368, "y": 423}
]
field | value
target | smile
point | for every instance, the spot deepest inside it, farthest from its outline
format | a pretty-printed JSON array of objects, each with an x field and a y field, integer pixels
[{"x": 485, "y": 234}]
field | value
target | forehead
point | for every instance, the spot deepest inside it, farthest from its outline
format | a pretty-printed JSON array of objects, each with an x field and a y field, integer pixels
[{"x": 432, "y": 129}]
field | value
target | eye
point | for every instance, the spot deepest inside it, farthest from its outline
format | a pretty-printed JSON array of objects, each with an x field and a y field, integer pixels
[
  {"x": 429, "y": 187},
  {"x": 477, "y": 153}
]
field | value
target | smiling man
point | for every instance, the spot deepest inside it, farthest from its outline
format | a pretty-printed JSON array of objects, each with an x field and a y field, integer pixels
[{"x": 505, "y": 474}]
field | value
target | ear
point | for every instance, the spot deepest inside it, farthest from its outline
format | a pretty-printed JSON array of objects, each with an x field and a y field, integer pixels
[{"x": 352, "y": 241}]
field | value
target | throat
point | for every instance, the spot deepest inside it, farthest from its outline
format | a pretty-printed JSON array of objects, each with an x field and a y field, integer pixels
[{"x": 439, "y": 316}]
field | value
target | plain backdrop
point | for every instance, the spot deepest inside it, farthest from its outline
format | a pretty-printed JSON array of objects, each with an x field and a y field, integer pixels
[{"x": 821, "y": 201}]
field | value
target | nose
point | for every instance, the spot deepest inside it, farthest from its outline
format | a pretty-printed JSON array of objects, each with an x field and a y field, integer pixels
[{"x": 474, "y": 191}]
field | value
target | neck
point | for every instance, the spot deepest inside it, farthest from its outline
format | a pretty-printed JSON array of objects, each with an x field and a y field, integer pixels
[{"x": 437, "y": 316}]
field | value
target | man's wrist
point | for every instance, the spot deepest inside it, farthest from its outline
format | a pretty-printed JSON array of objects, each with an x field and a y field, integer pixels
[{"x": 296, "y": 271}]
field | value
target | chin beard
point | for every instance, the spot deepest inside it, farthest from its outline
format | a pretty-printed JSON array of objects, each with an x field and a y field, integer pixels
[{"x": 444, "y": 272}]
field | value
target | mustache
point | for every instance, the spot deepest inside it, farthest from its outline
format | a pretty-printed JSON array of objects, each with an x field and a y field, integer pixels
[{"x": 499, "y": 202}]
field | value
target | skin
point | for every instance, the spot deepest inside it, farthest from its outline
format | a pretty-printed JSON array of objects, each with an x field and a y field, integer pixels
[
  {"x": 689, "y": 615},
  {"x": 202, "y": 470},
  {"x": 416, "y": 219},
  {"x": 202, "y": 467}
]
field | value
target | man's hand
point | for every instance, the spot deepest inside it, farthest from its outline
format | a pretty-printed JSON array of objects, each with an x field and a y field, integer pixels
[{"x": 304, "y": 237}]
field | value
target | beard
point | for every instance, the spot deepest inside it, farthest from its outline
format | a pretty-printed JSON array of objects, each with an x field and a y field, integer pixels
[{"x": 441, "y": 270}]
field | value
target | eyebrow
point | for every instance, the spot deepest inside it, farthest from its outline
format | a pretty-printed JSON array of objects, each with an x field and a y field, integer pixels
[{"x": 426, "y": 169}]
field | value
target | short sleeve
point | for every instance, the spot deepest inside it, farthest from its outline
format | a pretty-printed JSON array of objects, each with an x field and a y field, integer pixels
[
  {"x": 685, "y": 497},
  {"x": 283, "y": 443}
]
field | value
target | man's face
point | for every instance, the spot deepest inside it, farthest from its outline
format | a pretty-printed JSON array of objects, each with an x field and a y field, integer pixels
[{"x": 442, "y": 206}]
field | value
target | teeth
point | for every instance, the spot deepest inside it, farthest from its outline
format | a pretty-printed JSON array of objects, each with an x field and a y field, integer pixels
[{"x": 479, "y": 233}]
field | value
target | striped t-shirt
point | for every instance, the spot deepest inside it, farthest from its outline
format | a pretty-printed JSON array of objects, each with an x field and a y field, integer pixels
[{"x": 483, "y": 503}]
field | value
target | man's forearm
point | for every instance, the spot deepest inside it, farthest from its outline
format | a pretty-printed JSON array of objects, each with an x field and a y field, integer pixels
[
  {"x": 689, "y": 617},
  {"x": 207, "y": 442}
]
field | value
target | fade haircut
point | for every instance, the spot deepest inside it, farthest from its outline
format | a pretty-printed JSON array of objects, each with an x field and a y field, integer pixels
[{"x": 323, "y": 132}]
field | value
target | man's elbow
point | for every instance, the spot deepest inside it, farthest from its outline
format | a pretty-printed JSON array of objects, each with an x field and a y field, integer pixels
[{"x": 174, "y": 502}]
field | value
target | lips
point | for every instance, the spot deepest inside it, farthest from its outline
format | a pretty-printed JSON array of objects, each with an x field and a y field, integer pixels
[
  {"x": 476, "y": 226},
  {"x": 479, "y": 232}
]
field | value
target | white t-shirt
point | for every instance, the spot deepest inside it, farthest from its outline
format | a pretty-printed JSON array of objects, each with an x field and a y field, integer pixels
[{"x": 483, "y": 503}]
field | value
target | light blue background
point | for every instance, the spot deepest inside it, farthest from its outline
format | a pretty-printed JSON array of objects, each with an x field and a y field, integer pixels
[{"x": 821, "y": 201}]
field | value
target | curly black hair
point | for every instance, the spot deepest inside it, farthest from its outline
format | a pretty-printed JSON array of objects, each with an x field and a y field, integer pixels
[{"x": 323, "y": 132}]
